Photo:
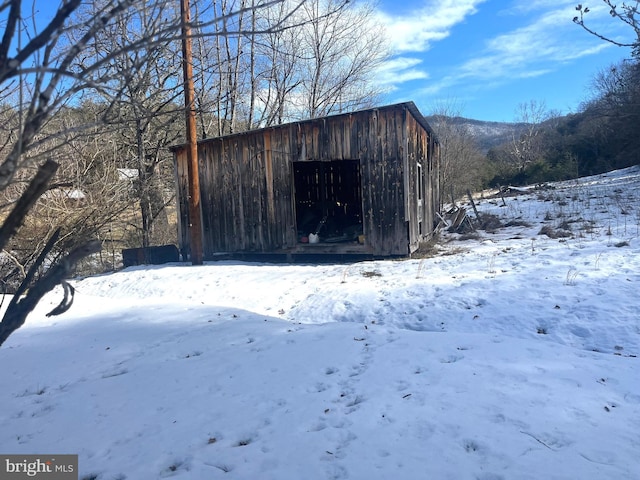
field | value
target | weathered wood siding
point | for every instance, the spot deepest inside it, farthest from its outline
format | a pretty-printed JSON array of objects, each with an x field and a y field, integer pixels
[
  {"x": 246, "y": 193},
  {"x": 421, "y": 150},
  {"x": 246, "y": 180},
  {"x": 383, "y": 182}
]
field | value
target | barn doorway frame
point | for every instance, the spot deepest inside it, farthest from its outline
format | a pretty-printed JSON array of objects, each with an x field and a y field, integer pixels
[{"x": 328, "y": 200}]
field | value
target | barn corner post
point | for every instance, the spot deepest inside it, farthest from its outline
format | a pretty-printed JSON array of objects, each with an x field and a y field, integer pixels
[{"x": 195, "y": 214}]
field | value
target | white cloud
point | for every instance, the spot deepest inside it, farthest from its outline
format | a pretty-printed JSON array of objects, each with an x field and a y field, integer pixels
[
  {"x": 545, "y": 40},
  {"x": 399, "y": 70},
  {"x": 535, "y": 73},
  {"x": 415, "y": 33},
  {"x": 532, "y": 39},
  {"x": 535, "y": 49},
  {"x": 528, "y": 6},
  {"x": 434, "y": 21}
]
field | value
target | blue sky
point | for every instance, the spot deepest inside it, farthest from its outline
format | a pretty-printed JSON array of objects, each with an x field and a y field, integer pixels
[{"x": 483, "y": 58}]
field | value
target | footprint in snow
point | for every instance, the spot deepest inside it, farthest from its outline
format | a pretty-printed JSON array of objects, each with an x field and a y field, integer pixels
[
  {"x": 318, "y": 388},
  {"x": 357, "y": 370},
  {"x": 335, "y": 472},
  {"x": 471, "y": 446},
  {"x": 632, "y": 398},
  {"x": 353, "y": 404},
  {"x": 489, "y": 476},
  {"x": 318, "y": 426},
  {"x": 451, "y": 359},
  {"x": 401, "y": 385},
  {"x": 115, "y": 372}
]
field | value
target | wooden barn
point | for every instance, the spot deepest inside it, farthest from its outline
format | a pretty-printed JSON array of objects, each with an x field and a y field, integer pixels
[{"x": 358, "y": 184}]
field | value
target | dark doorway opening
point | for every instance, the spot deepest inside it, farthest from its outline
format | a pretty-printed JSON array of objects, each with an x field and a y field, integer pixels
[{"x": 328, "y": 200}]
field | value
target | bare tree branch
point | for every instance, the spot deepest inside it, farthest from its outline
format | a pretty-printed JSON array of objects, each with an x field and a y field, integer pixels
[
  {"x": 10, "y": 28},
  {"x": 35, "y": 189},
  {"x": 627, "y": 13},
  {"x": 44, "y": 37},
  {"x": 19, "y": 265},
  {"x": 67, "y": 300},
  {"x": 20, "y": 306}
]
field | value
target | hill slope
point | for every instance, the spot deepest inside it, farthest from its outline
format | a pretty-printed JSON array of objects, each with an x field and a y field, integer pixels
[{"x": 486, "y": 134}]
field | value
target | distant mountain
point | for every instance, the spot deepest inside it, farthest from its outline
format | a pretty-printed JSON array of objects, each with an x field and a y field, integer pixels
[{"x": 487, "y": 134}]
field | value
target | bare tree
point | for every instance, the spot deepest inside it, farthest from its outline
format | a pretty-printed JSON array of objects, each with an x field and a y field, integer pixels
[
  {"x": 219, "y": 64},
  {"x": 322, "y": 60},
  {"x": 616, "y": 107},
  {"x": 140, "y": 101},
  {"x": 461, "y": 161},
  {"x": 85, "y": 199},
  {"x": 617, "y": 91},
  {"x": 41, "y": 59},
  {"x": 527, "y": 144},
  {"x": 341, "y": 47},
  {"x": 275, "y": 63},
  {"x": 207, "y": 76}
]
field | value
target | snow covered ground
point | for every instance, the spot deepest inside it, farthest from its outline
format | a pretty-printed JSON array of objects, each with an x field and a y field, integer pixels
[{"x": 510, "y": 356}]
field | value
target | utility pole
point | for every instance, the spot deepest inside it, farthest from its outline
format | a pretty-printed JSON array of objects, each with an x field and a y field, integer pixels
[{"x": 195, "y": 215}]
